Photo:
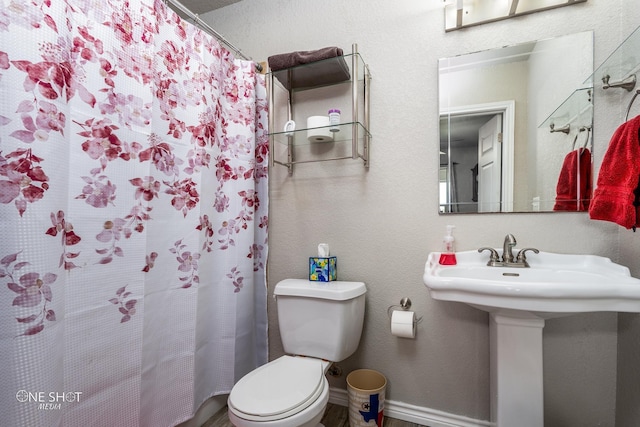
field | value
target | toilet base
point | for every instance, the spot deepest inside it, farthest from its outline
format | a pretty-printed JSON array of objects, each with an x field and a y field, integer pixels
[{"x": 239, "y": 422}]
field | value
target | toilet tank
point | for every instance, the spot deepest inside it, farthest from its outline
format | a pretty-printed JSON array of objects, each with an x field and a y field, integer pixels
[{"x": 320, "y": 319}]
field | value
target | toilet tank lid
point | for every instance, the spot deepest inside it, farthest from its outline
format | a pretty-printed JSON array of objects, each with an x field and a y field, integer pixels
[{"x": 338, "y": 290}]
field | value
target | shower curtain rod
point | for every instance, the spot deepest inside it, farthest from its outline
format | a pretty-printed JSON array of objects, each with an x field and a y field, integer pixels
[{"x": 184, "y": 9}]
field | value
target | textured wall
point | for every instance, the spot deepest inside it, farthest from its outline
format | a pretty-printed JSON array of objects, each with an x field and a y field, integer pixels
[{"x": 383, "y": 223}]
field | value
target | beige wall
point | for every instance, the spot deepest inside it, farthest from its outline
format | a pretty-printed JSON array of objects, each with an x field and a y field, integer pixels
[{"x": 382, "y": 223}]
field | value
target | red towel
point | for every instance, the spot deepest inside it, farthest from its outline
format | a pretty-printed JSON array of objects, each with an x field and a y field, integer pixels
[
  {"x": 614, "y": 199},
  {"x": 573, "y": 192}
]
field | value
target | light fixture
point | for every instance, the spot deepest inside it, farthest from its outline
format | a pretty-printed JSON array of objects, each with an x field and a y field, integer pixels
[{"x": 467, "y": 13}]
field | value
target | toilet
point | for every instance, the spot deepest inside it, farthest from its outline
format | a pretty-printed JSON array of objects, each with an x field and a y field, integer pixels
[{"x": 320, "y": 323}]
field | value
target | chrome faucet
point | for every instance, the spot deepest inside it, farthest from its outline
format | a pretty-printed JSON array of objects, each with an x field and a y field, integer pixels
[
  {"x": 507, "y": 246},
  {"x": 507, "y": 254}
]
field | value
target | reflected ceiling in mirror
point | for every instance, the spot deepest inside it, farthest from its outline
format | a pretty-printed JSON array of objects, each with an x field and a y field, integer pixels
[
  {"x": 468, "y": 13},
  {"x": 511, "y": 120}
]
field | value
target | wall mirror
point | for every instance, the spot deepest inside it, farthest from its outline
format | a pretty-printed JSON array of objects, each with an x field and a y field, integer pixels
[
  {"x": 466, "y": 13},
  {"x": 513, "y": 123}
]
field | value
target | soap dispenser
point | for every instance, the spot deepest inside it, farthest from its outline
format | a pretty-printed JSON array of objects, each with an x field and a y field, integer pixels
[{"x": 448, "y": 255}]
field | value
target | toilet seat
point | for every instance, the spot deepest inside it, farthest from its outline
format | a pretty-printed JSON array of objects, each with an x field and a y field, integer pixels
[{"x": 279, "y": 389}]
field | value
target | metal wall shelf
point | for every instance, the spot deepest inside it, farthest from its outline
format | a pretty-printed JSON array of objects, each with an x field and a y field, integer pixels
[{"x": 298, "y": 92}]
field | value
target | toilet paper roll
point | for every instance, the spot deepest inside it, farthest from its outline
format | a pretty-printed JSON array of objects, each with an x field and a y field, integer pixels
[
  {"x": 318, "y": 129},
  {"x": 403, "y": 324}
]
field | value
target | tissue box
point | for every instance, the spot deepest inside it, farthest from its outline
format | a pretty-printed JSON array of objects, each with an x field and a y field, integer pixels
[{"x": 323, "y": 269}]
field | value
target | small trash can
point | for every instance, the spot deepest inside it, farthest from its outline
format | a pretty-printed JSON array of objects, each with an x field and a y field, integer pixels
[{"x": 366, "y": 389}]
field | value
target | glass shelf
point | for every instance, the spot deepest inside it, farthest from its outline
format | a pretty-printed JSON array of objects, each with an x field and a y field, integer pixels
[
  {"x": 623, "y": 62},
  {"x": 299, "y": 136},
  {"x": 577, "y": 108}
]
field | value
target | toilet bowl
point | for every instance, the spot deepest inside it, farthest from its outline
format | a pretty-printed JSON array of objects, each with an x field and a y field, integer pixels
[{"x": 287, "y": 392}]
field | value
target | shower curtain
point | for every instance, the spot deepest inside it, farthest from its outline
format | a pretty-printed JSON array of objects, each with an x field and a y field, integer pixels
[{"x": 133, "y": 215}]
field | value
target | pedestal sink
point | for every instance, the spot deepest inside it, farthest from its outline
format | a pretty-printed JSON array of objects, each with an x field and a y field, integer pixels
[{"x": 518, "y": 301}]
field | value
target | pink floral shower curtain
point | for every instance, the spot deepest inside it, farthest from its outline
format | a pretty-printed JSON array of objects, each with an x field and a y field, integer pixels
[{"x": 133, "y": 215}]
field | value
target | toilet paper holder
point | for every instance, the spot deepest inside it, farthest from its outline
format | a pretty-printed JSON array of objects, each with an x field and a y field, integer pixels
[{"x": 405, "y": 304}]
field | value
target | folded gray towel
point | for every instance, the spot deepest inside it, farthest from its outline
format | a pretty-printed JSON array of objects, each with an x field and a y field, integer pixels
[{"x": 288, "y": 60}]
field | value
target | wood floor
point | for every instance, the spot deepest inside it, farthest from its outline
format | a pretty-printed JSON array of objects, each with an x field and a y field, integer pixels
[{"x": 335, "y": 416}]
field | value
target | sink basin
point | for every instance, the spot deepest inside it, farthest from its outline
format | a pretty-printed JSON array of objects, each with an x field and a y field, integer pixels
[
  {"x": 554, "y": 285},
  {"x": 518, "y": 301}
]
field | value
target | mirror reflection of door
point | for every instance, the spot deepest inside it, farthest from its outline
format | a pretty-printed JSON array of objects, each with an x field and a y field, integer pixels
[
  {"x": 471, "y": 162},
  {"x": 490, "y": 165}
]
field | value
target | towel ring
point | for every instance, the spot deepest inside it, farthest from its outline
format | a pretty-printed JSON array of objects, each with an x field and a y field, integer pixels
[
  {"x": 635, "y": 95},
  {"x": 586, "y": 142}
]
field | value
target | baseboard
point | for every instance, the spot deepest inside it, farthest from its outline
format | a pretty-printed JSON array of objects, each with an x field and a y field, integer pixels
[
  {"x": 414, "y": 414},
  {"x": 206, "y": 411}
]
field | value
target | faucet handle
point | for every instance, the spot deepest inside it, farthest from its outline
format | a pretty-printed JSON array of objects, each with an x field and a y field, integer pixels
[
  {"x": 522, "y": 257},
  {"x": 494, "y": 258}
]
